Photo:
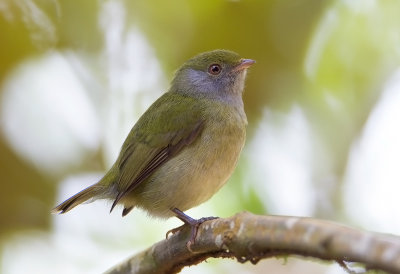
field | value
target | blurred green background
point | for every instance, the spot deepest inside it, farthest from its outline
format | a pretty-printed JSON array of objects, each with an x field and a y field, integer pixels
[{"x": 323, "y": 103}]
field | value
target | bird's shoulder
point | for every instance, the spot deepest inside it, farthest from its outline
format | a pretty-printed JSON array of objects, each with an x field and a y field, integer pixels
[{"x": 169, "y": 117}]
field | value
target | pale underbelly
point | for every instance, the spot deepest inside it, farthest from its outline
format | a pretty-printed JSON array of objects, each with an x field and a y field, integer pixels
[{"x": 190, "y": 178}]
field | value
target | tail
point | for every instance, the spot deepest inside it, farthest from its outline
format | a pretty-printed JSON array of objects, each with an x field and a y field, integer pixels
[{"x": 79, "y": 198}]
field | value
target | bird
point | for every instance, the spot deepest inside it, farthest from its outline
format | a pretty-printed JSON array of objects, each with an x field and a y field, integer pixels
[{"x": 184, "y": 147}]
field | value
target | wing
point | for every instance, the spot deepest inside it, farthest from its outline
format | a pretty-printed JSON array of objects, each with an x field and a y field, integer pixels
[{"x": 171, "y": 123}]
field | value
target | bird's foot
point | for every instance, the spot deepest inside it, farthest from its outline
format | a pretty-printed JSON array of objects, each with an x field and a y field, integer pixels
[
  {"x": 174, "y": 230},
  {"x": 193, "y": 223}
]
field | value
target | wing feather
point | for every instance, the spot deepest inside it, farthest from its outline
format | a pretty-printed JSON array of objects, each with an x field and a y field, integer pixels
[{"x": 152, "y": 142}]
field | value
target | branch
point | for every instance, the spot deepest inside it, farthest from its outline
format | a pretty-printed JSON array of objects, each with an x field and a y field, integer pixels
[{"x": 249, "y": 237}]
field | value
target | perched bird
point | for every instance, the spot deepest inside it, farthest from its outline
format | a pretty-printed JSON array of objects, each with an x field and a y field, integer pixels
[{"x": 186, "y": 145}]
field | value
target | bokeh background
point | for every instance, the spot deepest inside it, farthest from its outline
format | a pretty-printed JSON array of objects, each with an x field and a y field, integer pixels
[{"x": 323, "y": 103}]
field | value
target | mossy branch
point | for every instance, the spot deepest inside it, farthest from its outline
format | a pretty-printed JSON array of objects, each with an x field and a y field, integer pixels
[{"x": 249, "y": 237}]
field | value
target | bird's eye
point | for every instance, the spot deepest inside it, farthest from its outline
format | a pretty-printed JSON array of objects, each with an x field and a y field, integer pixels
[{"x": 214, "y": 69}]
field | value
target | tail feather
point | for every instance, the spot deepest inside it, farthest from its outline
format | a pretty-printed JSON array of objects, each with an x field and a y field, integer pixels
[{"x": 79, "y": 198}]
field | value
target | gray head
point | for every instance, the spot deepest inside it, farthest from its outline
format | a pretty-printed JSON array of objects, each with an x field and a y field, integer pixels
[{"x": 218, "y": 74}]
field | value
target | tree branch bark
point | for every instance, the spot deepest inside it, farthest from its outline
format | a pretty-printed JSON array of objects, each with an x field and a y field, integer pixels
[{"x": 249, "y": 237}]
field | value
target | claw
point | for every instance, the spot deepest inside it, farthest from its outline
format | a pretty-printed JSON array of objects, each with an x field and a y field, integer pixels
[
  {"x": 174, "y": 230},
  {"x": 193, "y": 223}
]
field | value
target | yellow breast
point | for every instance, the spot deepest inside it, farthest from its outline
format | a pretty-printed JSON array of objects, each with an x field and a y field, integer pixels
[{"x": 199, "y": 170}]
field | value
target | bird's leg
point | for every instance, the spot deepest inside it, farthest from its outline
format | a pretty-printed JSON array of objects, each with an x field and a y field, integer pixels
[{"x": 193, "y": 223}]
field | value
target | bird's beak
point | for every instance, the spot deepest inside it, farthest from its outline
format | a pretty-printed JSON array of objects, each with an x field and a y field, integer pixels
[{"x": 244, "y": 64}]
